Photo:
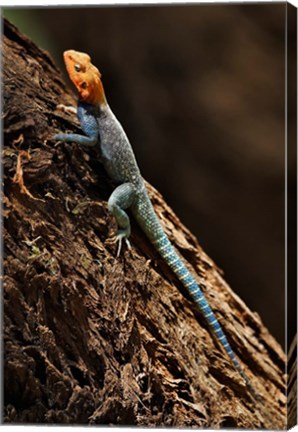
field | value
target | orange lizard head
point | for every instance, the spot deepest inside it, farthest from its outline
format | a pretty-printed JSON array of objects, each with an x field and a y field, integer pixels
[{"x": 85, "y": 76}]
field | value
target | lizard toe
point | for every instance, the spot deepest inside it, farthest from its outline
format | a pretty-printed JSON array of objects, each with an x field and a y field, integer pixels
[{"x": 122, "y": 234}]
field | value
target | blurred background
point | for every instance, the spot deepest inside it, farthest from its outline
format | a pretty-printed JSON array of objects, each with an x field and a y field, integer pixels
[{"x": 200, "y": 91}]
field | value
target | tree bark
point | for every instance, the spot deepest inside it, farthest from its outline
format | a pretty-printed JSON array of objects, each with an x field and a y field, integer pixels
[{"x": 92, "y": 339}]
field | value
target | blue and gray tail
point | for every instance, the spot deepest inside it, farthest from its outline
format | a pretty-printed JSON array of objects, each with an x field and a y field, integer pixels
[{"x": 152, "y": 227}]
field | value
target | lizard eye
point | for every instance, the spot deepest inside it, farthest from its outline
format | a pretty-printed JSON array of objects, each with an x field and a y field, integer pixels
[
  {"x": 77, "y": 67},
  {"x": 84, "y": 85}
]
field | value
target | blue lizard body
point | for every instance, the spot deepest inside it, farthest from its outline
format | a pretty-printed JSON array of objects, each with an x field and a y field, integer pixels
[{"x": 101, "y": 126}]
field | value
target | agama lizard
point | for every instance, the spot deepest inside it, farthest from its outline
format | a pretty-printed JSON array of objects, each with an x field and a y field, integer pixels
[{"x": 100, "y": 126}]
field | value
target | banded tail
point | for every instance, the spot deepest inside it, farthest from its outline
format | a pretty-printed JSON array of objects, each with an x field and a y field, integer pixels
[{"x": 151, "y": 225}]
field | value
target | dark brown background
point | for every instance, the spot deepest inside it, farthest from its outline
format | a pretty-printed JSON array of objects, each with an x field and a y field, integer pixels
[{"x": 200, "y": 91}]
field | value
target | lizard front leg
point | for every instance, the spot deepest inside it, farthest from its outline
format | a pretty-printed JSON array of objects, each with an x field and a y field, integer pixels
[
  {"x": 76, "y": 138},
  {"x": 120, "y": 200},
  {"x": 89, "y": 126}
]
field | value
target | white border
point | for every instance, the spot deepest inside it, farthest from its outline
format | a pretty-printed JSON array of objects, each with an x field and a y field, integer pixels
[{"x": 125, "y": 2}]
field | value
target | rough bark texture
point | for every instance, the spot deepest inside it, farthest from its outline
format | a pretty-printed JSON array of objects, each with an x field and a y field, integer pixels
[{"x": 91, "y": 339}]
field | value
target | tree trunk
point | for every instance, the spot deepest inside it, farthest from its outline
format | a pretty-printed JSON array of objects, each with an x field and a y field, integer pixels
[{"x": 92, "y": 339}]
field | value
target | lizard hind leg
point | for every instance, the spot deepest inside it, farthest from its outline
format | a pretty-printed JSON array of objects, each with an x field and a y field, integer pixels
[{"x": 120, "y": 200}]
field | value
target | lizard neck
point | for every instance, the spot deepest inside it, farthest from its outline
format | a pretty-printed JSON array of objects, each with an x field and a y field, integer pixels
[{"x": 99, "y": 95}]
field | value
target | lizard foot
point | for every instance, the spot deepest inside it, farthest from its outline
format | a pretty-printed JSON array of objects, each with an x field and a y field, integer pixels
[
  {"x": 58, "y": 137},
  {"x": 66, "y": 109},
  {"x": 118, "y": 238}
]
